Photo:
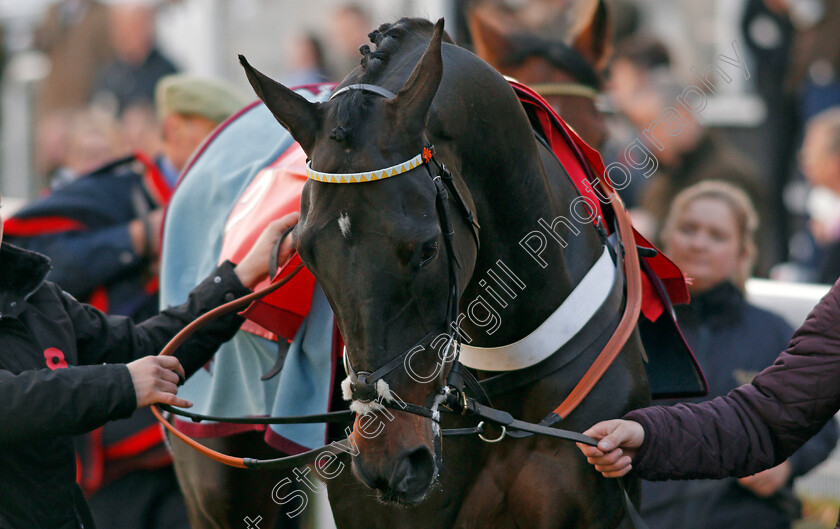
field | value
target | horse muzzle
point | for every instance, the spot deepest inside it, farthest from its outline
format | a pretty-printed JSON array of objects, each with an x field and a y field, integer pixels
[{"x": 405, "y": 480}]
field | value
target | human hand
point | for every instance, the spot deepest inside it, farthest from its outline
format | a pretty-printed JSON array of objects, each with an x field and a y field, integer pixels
[
  {"x": 618, "y": 442},
  {"x": 254, "y": 266},
  {"x": 769, "y": 481},
  {"x": 155, "y": 380},
  {"x": 146, "y": 234},
  {"x": 155, "y": 226}
]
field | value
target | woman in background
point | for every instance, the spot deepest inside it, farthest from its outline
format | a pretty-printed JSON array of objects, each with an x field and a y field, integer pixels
[
  {"x": 753, "y": 431},
  {"x": 709, "y": 233}
]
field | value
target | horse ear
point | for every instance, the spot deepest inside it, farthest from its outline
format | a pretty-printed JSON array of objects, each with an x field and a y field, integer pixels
[
  {"x": 489, "y": 37},
  {"x": 590, "y": 35},
  {"x": 292, "y": 110},
  {"x": 412, "y": 104}
]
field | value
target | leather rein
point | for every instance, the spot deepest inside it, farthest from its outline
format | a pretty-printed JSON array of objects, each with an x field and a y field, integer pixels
[{"x": 461, "y": 393}]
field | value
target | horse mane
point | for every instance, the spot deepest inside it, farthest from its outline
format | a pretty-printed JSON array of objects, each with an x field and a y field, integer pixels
[{"x": 388, "y": 40}]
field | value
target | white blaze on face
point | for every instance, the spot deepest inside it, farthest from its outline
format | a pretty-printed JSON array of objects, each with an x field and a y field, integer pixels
[{"x": 344, "y": 224}]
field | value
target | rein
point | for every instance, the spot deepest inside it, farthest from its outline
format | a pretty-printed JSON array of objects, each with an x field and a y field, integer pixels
[
  {"x": 563, "y": 57},
  {"x": 182, "y": 336}
]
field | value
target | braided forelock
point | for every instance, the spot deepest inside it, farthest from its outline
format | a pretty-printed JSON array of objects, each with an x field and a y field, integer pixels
[{"x": 356, "y": 105}]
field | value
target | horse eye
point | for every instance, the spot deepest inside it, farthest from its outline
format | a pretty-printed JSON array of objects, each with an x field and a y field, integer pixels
[{"x": 430, "y": 249}]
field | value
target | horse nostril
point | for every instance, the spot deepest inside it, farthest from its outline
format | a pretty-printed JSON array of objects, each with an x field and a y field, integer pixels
[
  {"x": 365, "y": 477},
  {"x": 414, "y": 473}
]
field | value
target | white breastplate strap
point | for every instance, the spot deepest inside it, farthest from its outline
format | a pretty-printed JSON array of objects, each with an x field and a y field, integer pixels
[{"x": 553, "y": 333}]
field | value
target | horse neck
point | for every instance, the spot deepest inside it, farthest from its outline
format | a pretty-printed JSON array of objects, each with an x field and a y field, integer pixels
[{"x": 513, "y": 201}]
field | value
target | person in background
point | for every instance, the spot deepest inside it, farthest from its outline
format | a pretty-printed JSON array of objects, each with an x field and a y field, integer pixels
[
  {"x": 189, "y": 108},
  {"x": 74, "y": 35},
  {"x": 66, "y": 368},
  {"x": 820, "y": 161},
  {"x": 306, "y": 61},
  {"x": 102, "y": 232},
  {"x": 638, "y": 60},
  {"x": 140, "y": 128},
  {"x": 709, "y": 233},
  {"x": 814, "y": 64},
  {"x": 687, "y": 153},
  {"x": 93, "y": 138},
  {"x": 768, "y": 35},
  {"x": 130, "y": 78},
  {"x": 349, "y": 28}
]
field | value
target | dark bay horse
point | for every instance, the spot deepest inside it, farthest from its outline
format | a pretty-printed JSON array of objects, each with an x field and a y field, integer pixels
[
  {"x": 379, "y": 251},
  {"x": 563, "y": 67}
]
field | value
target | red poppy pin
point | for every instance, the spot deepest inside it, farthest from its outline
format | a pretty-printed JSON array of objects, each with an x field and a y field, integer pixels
[{"x": 55, "y": 358}]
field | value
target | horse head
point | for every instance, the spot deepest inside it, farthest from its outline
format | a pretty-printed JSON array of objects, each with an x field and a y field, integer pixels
[
  {"x": 371, "y": 232},
  {"x": 563, "y": 68}
]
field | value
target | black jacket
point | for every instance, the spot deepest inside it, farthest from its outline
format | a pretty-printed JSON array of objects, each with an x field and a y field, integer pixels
[
  {"x": 62, "y": 373},
  {"x": 83, "y": 227}
]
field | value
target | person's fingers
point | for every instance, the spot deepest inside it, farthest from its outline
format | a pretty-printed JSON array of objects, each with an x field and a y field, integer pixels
[
  {"x": 287, "y": 247},
  {"x": 618, "y": 473},
  {"x": 168, "y": 387},
  {"x": 278, "y": 227},
  {"x": 619, "y": 464},
  {"x": 607, "y": 459},
  {"x": 173, "y": 364},
  {"x": 589, "y": 451},
  {"x": 172, "y": 400},
  {"x": 607, "y": 433},
  {"x": 168, "y": 375},
  {"x": 287, "y": 221},
  {"x": 254, "y": 267},
  {"x": 618, "y": 433},
  {"x": 611, "y": 441},
  {"x": 617, "y": 442},
  {"x": 758, "y": 484}
]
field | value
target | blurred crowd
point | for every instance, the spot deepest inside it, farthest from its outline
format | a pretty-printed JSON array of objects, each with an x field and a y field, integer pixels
[
  {"x": 96, "y": 103},
  {"x": 105, "y": 108},
  {"x": 789, "y": 53}
]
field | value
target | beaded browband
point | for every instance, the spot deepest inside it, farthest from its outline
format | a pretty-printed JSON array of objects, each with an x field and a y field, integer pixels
[
  {"x": 379, "y": 174},
  {"x": 371, "y": 176}
]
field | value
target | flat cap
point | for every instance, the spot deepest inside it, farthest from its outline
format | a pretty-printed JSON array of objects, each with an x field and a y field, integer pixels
[{"x": 197, "y": 96}]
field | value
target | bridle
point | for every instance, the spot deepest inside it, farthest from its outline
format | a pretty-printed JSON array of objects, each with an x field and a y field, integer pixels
[
  {"x": 363, "y": 385},
  {"x": 563, "y": 57},
  {"x": 460, "y": 392}
]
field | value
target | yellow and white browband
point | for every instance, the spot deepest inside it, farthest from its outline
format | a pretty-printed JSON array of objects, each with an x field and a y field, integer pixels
[{"x": 369, "y": 176}]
